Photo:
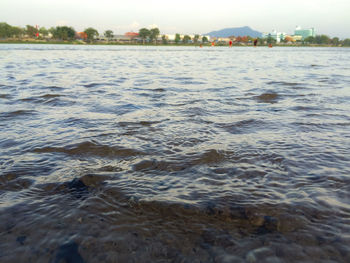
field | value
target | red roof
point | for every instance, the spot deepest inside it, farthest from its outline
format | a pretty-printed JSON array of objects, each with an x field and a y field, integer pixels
[{"x": 131, "y": 34}]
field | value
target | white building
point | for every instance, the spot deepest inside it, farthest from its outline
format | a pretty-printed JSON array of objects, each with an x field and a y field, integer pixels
[{"x": 278, "y": 36}]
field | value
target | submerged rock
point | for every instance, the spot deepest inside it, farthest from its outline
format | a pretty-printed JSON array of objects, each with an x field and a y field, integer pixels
[{"x": 68, "y": 253}]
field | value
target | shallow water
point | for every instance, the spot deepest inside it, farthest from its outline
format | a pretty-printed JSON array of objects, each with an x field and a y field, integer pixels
[{"x": 174, "y": 154}]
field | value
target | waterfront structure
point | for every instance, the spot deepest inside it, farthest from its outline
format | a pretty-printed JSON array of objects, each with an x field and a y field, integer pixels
[
  {"x": 278, "y": 36},
  {"x": 131, "y": 35},
  {"x": 81, "y": 35},
  {"x": 304, "y": 33}
]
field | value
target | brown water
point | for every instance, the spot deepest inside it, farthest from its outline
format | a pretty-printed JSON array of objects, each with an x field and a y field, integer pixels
[{"x": 174, "y": 154}]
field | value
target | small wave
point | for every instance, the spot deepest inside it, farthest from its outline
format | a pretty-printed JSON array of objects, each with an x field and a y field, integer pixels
[
  {"x": 91, "y": 149},
  {"x": 284, "y": 83},
  {"x": 50, "y": 96},
  {"x": 138, "y": 123},
  {"x": 92, "y": 85},
  {"x": 244, "y": 126},
  {"x": 50, "y": 99},
  {"x": 53, "y": 88},
  {"x": 142, "y": 82}
]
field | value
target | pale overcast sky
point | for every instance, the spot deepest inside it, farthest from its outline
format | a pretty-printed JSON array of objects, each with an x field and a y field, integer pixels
[{"x": 329, "y": 17}]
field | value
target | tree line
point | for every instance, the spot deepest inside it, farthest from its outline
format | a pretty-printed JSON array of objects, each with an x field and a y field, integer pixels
[
  {"x": 58, "y": 32},
  {"x": 67, "y": 33}
]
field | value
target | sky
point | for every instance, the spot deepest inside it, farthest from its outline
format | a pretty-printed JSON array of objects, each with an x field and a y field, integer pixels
[{"x": 330, "y": 17}]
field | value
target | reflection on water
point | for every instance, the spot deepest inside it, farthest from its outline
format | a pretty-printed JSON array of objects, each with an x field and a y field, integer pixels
[{"x": 174, "y": 154}]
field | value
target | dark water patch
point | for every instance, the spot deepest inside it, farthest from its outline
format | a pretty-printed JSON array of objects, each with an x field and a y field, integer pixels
[
  {"x": 14, "y": 182},
  {"x": 21, "y": 239},
  {"x": 50, "y": 96},
  {"x": 159, "y": 90},
  {"x": 91, "y": 149},
  {"x": 317, "y": 66},
  {"x": 9, "y": 66},
  {"x": 305, "y": 108},
  {"x": 153, "y": 165},
  {"x": 68, "y": 252},
  {"x": 211, "y": 157},
  {"x": 95, "y": 84},
  {"x": 8, "y": 143},
  {"x": 269, "y": 97},
  {"x": 82, "y": 185},
  {"x": 5, "y": 96},
  {"x": 17, "y": 114},
  {"x": 139, "y": 124},
  {"x": 39, "y": 75}
]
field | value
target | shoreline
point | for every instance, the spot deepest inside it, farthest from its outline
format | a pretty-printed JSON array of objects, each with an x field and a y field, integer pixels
[{"x": 43, "y": 42}]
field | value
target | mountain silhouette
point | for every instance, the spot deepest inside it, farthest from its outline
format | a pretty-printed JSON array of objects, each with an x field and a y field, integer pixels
[{"x": 235, "y": 31}]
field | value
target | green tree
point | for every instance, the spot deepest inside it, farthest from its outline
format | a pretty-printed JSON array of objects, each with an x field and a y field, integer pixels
[
  {"x": 17, "y": 31},
  {"x": 154, "y": 33},
  {"x": 64, "y": 33},
  {"x": 144, "y": 33},
  {"x": 309, "y": 40},
  {"x": 31, "y": 31},
  {"x": 108, "y": 34},
  {"x": 261, "y": 41},
  {"x": 205, "y": 39},
  {"x": 335, "y": 41},
  {"x": 186, "y": 39},
  {"x": 270, "y": 40},
  {"x": 322, "y": 39},
  {"x": 164, "y": 39},
  {"x": 91, "y": 33},
  {"x": 5, "y": 30},
  {"x": 52, "y": 31},
  {"x": 43, "y": 31},
  {"x": 195, "y": 39},
  {"x": 177, "y": 38},
  {"x": 346, "y": 42}
]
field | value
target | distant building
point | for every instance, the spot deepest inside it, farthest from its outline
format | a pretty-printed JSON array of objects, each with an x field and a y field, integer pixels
[
  {"x": 304, "y": 33},
  {"x": 131, "y": 35},
  {"x": 278, "y": 36},
  {"x": 81, "y": 35}
]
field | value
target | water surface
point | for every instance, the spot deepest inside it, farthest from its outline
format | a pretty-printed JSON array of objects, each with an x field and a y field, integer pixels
[{"x": 174, "y": 154}]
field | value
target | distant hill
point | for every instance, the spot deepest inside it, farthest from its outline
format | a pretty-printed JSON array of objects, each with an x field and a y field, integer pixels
[{"x": 235, "y": 31}]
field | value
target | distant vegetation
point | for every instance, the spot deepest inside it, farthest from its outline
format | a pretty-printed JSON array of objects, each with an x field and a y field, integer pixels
[{"x": 66, "y": 34}]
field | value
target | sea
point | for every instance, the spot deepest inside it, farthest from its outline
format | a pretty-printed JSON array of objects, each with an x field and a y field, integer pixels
[{"x": 174, "y": 154}]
